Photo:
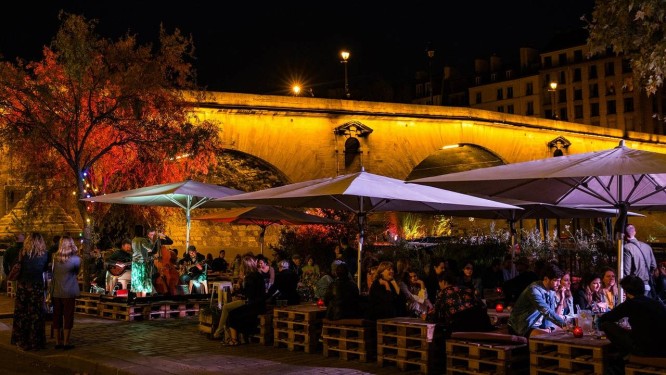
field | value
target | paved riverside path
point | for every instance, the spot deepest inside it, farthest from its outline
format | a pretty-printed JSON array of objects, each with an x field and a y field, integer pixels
[{"x": 173, "y": 346}]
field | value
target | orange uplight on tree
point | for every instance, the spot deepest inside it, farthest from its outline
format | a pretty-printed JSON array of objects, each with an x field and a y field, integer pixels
[
  {"x": 499, "y": 308},
  {"x": 578, "y": 332}
]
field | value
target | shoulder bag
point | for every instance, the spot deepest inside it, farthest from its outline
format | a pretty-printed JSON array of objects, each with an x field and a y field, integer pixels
[{"x": 15, "y": 270}]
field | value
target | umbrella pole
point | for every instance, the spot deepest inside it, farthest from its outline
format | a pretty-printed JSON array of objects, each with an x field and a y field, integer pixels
[
  {"x": 619, "y": 234},
  {"x": 261, "y": 238},
  {"x": 361, "y": 222}
]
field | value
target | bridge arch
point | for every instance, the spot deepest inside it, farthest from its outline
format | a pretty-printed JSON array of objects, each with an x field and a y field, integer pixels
[{"x": 455, "y": 158}]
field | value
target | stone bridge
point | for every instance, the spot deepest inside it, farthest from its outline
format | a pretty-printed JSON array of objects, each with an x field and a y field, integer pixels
[{"x": 305, "y": 138}]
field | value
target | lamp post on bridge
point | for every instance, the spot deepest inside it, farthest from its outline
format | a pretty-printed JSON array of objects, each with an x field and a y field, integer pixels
[
  {"x": 553, "y": 91},
  {"x": 345, "y": 59},
  {"x": 431, "y": 55}
]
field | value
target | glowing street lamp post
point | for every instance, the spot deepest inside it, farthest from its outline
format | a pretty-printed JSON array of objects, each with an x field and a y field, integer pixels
[
  {"x": 553, "y": 91},
  {"x": 345, "y": 58}
]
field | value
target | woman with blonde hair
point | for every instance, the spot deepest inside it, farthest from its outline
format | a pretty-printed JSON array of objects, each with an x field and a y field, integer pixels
[
  {"x": 66, "y": 265},
  {"x": 385, "y": 299},
  {"x": 29, "y": 326},
  {"x": 609, "y": 287}
]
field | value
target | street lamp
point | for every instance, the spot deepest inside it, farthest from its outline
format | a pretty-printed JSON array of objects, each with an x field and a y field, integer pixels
[
  {"x": 431, "y": 54},
  {"x": 553, "y": 91},
  {"x": 345, "y": 58},
  {"x": 296, "y": 90}
]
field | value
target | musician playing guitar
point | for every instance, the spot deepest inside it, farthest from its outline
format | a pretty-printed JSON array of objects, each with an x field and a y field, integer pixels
[
  {"x": 119, "y": 266},
  {"x": 195, "y": 264}
]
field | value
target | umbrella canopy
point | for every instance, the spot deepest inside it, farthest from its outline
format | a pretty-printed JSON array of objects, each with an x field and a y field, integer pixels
[
  {"x": 187, "y": 195},
  {"x": 264, "y": 216},
  {"x": 616, "y": 178},
  {"x": 363, "y": 193}
]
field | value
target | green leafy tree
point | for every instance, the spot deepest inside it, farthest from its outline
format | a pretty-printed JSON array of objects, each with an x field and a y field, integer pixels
[
  {"x": 635, "y": 29},
  {"x": 101, "y": 115}
]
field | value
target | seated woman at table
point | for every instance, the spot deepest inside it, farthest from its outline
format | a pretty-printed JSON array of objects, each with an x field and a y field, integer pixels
[
  {"x": 342, "y": 299},
  {"x": 385, "y": 299},
  {"x": 245, "y": 318},
  {"x": 469, "y": 279},
  {"x": 590, "y": 297},
  {"x": 458, "y": 308},
  {"x": 564, "y": 297},
  {"x": 609, "y": 287},
  {"x": 416, "y": 294}
]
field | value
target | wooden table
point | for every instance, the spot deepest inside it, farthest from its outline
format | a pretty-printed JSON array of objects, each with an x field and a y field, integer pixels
[
  {"x": 498, "y": 318},
  {"x": 562, "y": 353},
  {"x": 298, "y": 326}
]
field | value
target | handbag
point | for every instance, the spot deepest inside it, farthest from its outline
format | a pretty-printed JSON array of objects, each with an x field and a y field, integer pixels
[
  {"x": 15, "y": 270},
  {"x": 48, "y": 295}
]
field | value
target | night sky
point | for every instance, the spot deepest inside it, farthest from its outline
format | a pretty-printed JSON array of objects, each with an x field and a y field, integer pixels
[{"x": 255, "y": 48}]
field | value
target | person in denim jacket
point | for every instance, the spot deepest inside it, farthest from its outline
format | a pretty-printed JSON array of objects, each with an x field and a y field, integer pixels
[{"x": 535, "y": 310}]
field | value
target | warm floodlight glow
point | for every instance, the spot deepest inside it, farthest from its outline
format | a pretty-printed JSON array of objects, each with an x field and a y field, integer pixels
[
  {"x": 344, "y": 55},
  {"x": 450, "y": 146},
  {"x": 553, "y": 86},
  {"x": 296, "y": 89}
]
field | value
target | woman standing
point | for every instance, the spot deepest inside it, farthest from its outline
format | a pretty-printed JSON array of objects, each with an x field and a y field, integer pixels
[
  {"x": 66, "y": 264},
  {"x": 28, "y": 329}
]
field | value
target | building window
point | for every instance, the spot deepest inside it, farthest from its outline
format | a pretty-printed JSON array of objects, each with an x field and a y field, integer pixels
[
  {"x": 493, "y": 77},
  {"x": 610, "y": 69},
  {"x": 578, "y": 94},
  {"x": 478, "y": 80},
  {"x": 626, "y": 66},
  {"x": 562, "y": 96},
  {"x": 509, "y": 92},
  {"x": 610, "y": 107},
  {"x": 500, "y": 109},
  {"x": 594, "y": 90},
  {"x": 628, "y": 85},
  {"x": 419, "y": 91},
  {"x": 563, "y": 114},
  {"x": 578, "y": 55},
  {"x": 529, "y": 88},
  {"x": 592, "y": 72},
  {"x": 594, "y": 109},
  {"x": 530, "y": 109},
  {"x": 562, "y": 59},
  {"x": 547, "y": 62},
  {"x": 610, "y": 88},
  {"x": 628, "y": 104},
  {"x": 563, "y": 77},
  {"x": 578, "y": 111},
  {"x": 500, "y": 94},
  {"x": 478, "y": 97},
  {"x": 577, "y": 75},
  {"x": 508, "y": 74},
  {"x": 509, "y": 108}
]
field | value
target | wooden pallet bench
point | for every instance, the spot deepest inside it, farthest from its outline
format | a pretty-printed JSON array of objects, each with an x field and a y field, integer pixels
[
  {"x": 265, "y": 334},
  {"x": 86, "y": 306},
  {"x": 408, "y": 343},
  {"x": 179, "y": 309},
  {"x": 636, "y": 365},
  {"x": 298, "y": 327},
  {"x": 11, "y": 288},
  {"x": 561, "y": 353},
  {"x": 121, "y": 311},
  {"x": 350, "y": 339},
  {"x": 486, "y": 353}
]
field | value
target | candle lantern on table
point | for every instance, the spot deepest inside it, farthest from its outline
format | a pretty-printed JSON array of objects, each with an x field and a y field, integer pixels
[
  {"x": 499, "y": 307},
  {"x": 578, "y": 331}
]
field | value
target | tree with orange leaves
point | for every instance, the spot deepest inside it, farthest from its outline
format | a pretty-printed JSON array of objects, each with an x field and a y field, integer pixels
[{"x": 114, "y": 110}]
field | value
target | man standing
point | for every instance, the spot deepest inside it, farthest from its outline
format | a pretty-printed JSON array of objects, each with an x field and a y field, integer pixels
[
  {"x": 638, "y": 258},
  {"x": 118, "y": 267},
  {"x": 535, "y": 310}
]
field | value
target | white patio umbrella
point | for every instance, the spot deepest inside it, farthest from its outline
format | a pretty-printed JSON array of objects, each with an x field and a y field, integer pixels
[
  {"x": 187, "y": 195},
  {"x": 363, "y": 193},
  {"x": 620, "y": 178},
  {"x": 265, "y": 216}
]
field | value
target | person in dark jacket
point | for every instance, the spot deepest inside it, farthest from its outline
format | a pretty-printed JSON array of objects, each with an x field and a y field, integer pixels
[
  {"x": 342, "y": 298},
  {"x": 385, "y": 299},
  {"x": 66, "y": 265},
  {"x": 245, "y": 318},
  {"x": 647, "y": 318},
  {"x": 285, "y": 285}
]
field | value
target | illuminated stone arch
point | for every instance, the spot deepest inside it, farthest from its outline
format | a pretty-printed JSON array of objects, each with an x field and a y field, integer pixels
[{"x": 457, "y": 158}]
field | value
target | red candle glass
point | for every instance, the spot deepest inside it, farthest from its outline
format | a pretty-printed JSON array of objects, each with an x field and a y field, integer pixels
[
  {"x": 320, "y": 303},
  {"x": 578, "y": 331},
  {"x": 499, "y": 308}
]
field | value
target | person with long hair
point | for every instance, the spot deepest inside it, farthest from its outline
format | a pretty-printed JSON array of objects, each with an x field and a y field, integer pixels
[
  {"x": 245, "y": 318},
  {"x": 385, "y": 299},
  {"x": 66, "y": 265},
  {"x": 590, "y": 296},
  {"x": 564, "y": 297},
  {"x": 28, "y": 328},
  {"x": 609, "y": 287}
]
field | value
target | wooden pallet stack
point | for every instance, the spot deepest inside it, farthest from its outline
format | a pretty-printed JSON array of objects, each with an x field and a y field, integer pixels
[
  {"x": 298, "y": 326},
  {"x": 11, "y": 290},
  {"x": 561, "y": 353},
  {"x": 350, "y": 339},
  {"x": 121, "y": 311},
  {"x": 476, "y": 357},
  {"x": 88, "y": 304},
  {"x": 636, "y": 365},
  {"x": 265, "y": 334},
  {"x": 179, "y": 309},
  {"x": 410, "y": 342}
]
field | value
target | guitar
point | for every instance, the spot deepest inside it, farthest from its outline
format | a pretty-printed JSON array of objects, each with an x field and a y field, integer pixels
[{"x": 118, "y": 268}]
